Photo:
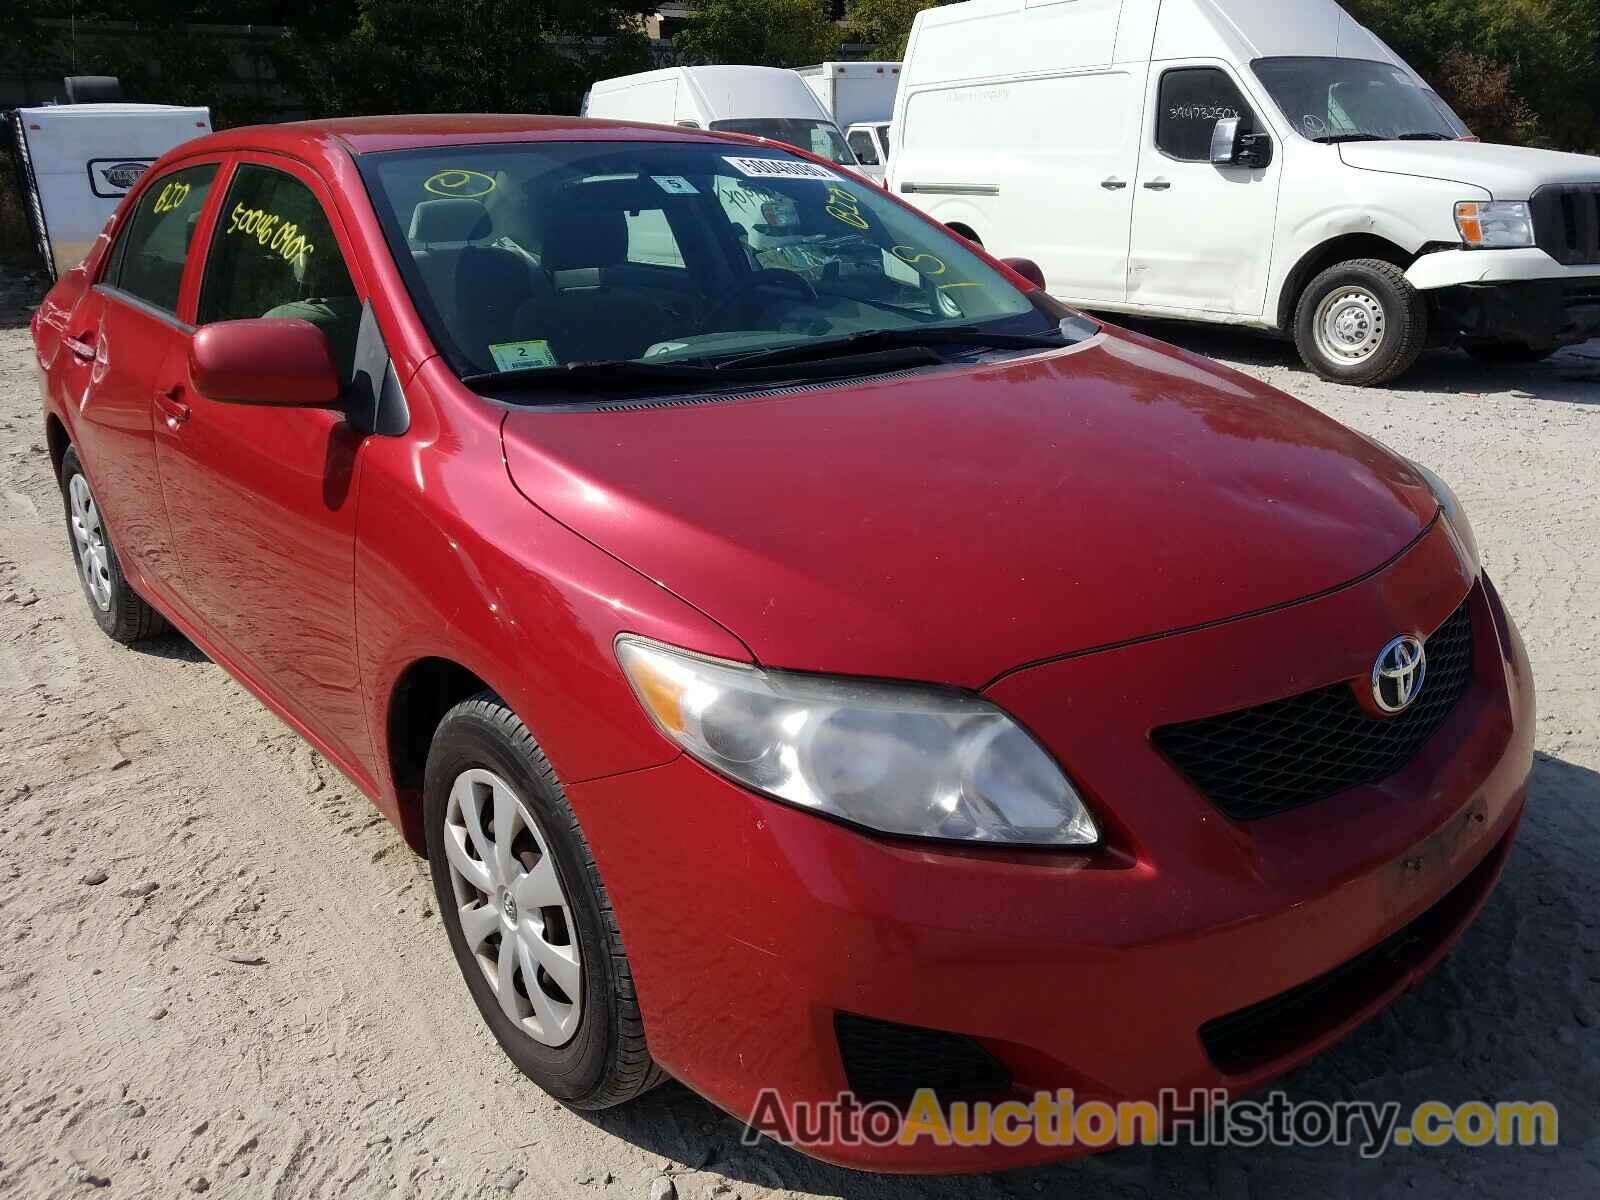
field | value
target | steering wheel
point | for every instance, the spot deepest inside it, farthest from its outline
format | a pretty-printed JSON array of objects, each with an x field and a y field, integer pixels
[{"x": 766, "y": 278}]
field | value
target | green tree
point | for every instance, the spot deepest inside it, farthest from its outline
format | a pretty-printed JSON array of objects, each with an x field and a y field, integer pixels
[
  {"x": 769, "y": 33},
  {"x": 885, "y": 25},
  {"x": 1547, "y": 47},
  {"x": 464, "y": 55}
]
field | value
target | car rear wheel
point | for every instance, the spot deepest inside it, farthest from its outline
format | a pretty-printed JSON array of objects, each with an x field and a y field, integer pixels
[
  {"x": 1361, "y": 323},
  {"x": 119, "y": 610},
  {"x": 528, "y": 917}
]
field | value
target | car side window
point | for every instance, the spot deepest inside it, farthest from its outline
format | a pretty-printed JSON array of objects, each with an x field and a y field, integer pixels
[
  {"x": 149, "y": 262},
  {"x": 274, "y": 255},
  {"x": 1193, "y": 100},
  {"x": 861, "y": 143}
]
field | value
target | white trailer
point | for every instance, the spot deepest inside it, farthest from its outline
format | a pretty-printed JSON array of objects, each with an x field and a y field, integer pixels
[
  {"x": 79, "y": 160},
  {"x": 856, "y": 93}
]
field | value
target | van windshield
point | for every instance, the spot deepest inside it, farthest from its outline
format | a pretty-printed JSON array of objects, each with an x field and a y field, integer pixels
[
  {"x": 1354, "y": 100},
  {"x": 538, "y": 255},
  {"x": 816, "y": 137}
]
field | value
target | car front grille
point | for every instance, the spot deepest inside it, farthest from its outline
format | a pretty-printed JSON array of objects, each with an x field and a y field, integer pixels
[
  {"x": 1289, "y": 753},
  {"x": 1566, "y": 223}
]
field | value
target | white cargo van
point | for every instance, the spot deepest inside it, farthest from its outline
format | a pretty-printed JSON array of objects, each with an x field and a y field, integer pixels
[
  {"x": 765, "y": 101},
  {"x": 1252, "y": 162},
  {"x": 78, "y": 161},
  {"x": 860, "y": 96}
]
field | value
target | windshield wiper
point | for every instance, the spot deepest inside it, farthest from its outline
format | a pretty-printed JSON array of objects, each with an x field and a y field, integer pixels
[
  {"x": 631, "y": 373},
  {"x": 1426, "y": 137},
  {"x": 895, "y": 339},
  {"x": 1338, "y": 139}
]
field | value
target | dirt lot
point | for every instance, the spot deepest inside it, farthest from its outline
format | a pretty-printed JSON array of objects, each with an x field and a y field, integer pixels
[{"x": 258, "y": 1000}]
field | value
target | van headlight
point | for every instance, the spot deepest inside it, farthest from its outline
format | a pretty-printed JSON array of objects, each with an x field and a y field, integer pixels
[
  {"x": 1499, "y": 225},
  {"x": 898, "y": 759},
  {"x": 1454, "y": 515}
]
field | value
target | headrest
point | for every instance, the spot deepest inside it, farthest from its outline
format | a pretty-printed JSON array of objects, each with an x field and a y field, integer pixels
[
  {"x": 452, "y": 219},
  {"x": 585, "y": 238}
]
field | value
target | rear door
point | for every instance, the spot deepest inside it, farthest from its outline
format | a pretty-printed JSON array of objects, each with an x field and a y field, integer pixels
[
  {"x": 128, "y": 331},
  {"x": 263, "y": 499}
]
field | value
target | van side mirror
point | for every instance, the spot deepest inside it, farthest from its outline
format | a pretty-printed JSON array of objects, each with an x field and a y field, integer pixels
[
  {"x": 265, "y": 360},
  {"x": 1028, "y": 269},
  {"x": 1233, "y": 146}
]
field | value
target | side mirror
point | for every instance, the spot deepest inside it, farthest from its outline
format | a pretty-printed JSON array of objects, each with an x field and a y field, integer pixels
[
  {"x": 1028, "y": 269},
  {"x": 267, "y": 360},
  {"x": 1232, "y": 146}
]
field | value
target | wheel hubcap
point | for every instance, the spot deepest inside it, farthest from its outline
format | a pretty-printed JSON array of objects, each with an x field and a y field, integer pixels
[
  {"x": 89, "y": 541},
  {"x": 1350, "y": 325},
  {"x": 513, "y": 909}
]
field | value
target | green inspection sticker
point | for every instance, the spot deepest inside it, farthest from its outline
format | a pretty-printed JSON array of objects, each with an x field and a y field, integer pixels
[{"x": 519, "y": 356}]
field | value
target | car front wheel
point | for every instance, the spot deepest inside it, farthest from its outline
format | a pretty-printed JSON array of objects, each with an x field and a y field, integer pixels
[
  {"x": 526, "y": 912},
  {"x": 119, "y": 610},
  {"x": 1361, "y": 323}
]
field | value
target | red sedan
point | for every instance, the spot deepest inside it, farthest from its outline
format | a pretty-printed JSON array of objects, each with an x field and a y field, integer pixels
[{"x": 810, "y": 657}]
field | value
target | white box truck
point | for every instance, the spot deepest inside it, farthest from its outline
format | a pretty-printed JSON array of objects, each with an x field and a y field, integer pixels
[
  {"x": 767, "y": 102},
  {"x": 79, "y": 160},
  {"x": 1251, "y": 162},
  {"x": 860, "y": 95}
]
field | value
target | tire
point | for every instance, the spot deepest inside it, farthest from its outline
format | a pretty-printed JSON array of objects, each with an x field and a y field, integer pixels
[
  {"x": 1361, "y": 323},
  {"x": 583, "y": 1042},
  {"x": 1508, "y": 354},
  {"x": 119, "y": 610},
  {"x": 961, "y": 231}
]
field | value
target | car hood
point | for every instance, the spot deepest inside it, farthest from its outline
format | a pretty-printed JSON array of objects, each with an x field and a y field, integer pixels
[
  {"x": 1505, "y": 172},
  {"x": 951, "y": 524}
]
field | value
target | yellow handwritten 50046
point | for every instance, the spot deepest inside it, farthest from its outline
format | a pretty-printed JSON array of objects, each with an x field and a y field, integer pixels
[{"x": 272, "y": 231}]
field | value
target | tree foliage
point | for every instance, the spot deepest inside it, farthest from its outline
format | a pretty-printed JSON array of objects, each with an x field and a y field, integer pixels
[
  {"x": 772, "y": 33},
  {"x": 1547, "y": 48},
  {"x": 884, "y": 25}
]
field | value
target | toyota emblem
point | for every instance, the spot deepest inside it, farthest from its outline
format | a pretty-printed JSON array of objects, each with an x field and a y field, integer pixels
[{"x": 1397, "y": 675}]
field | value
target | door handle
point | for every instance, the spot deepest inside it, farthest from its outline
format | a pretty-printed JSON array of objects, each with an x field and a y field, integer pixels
[
  {"x": 80, "y": 346},
  {"x": 1159, "y": 185},
  {"x": 174, "y": 410},
  {"x": 1113, "y": 184}
]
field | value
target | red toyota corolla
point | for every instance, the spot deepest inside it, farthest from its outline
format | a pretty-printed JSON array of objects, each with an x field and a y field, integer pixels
[{"x": 810, "y": 656}]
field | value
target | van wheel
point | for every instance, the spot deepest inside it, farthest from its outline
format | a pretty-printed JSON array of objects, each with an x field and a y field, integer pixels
[
  {"x": 1361, "y": 323},
  {"x": 528, "y": 918},
  {"x": 1508, "y": 354},
  {"x": 119, "y": 610}
]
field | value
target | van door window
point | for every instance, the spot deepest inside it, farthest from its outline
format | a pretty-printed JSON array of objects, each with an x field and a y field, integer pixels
[
  {"x": 149, "y": 261},
  {"x": 1193, "y": 100},
  {"x": 861, "y": 143}
]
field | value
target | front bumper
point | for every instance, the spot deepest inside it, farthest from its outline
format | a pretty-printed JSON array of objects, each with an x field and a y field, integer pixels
[
  {"x": 750, "y": 925},
  {"x": 1538, "y": 313}
]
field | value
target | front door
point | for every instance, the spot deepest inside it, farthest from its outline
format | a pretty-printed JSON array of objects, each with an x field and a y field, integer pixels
[
  {"x": 1202, "y": 234},
  {"x": 262, "y": 500}
]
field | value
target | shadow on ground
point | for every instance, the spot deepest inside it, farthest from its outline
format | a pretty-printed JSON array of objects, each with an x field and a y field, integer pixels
[
  {"x": 1572, "y": 376},
  {"x": 1510, "y": 1014}
]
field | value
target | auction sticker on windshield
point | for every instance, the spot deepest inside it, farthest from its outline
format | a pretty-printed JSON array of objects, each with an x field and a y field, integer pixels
[
  {"x": 779, "y": 168},
  {"x": 519, "y": 356}
]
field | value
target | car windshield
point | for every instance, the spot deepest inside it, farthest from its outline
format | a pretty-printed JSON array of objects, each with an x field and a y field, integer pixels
[
  {"x": 816, "y": 137},
  {"x": 543, "y": 255},
  {"x": 1349, "y": 99}
]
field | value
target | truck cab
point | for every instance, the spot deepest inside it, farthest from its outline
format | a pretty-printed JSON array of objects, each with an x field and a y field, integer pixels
[{"x": 1244, "y": 163}]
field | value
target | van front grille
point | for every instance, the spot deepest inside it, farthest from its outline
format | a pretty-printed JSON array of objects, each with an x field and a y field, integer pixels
[{"x": 1566, "y": 223}]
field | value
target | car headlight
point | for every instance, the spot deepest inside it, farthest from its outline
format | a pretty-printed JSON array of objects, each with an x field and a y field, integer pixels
[
  {"x": 1499, "y": 225},
  {"x": 899, "y": 759},
  {"x": 1454, "y": 515}
]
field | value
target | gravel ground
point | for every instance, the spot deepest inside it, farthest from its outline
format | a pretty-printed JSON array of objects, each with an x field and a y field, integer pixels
[{"x": 257, "y": 1000}]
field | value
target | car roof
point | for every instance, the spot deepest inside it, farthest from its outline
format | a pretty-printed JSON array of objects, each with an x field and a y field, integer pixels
[{"x": 320, "y": 140}]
